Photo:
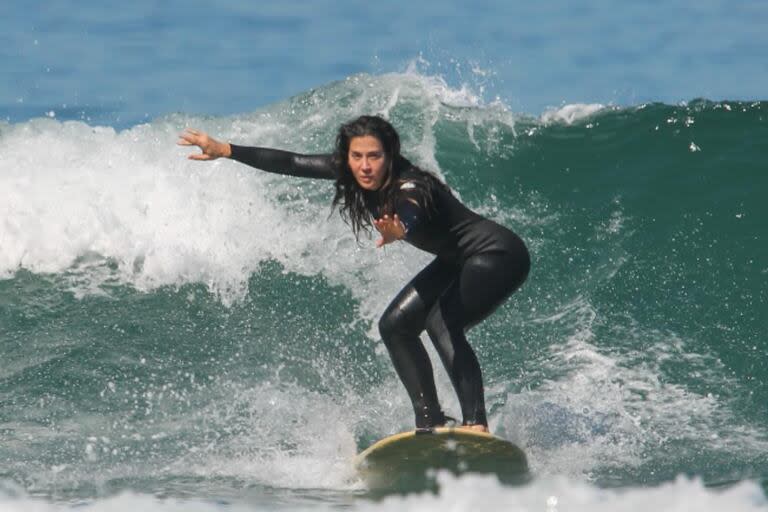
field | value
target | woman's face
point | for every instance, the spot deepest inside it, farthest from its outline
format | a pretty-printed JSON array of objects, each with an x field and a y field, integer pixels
[{"x": 367, "y": 161}]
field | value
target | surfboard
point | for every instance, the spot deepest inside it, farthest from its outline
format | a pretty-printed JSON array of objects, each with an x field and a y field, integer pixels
[{"x": 409, "y": 460}]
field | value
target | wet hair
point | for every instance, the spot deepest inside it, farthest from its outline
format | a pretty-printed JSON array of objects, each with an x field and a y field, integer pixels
[{"x": 357, "y": 206}]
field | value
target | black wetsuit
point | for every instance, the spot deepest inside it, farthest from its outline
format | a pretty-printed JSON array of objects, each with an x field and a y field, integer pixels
[{"x": 478, "y": 264}]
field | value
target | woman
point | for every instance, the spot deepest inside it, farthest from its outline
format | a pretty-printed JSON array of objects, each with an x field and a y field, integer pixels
[{"x": 478, "y": 263}]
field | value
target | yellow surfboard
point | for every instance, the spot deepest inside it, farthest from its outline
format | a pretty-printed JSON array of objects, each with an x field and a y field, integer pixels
[{"x": 408, "y": 460}]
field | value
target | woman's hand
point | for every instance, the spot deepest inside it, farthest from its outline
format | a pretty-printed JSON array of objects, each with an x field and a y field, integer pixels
[
  {"x": 391, "y": 230},
  {"x": 210, "y": 147}
]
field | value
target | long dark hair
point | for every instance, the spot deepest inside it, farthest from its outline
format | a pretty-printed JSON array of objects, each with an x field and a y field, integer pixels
[{"x": 357, "y": 206}]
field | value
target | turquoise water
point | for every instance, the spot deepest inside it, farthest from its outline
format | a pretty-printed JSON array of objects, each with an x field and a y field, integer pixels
[{"x": 181, "y": 335}]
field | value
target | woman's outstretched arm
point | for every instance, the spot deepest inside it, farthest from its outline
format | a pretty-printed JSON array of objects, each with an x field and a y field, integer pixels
[{"x": 266, "y": 159}]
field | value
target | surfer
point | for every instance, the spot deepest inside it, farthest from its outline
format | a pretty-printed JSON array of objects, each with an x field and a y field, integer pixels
[{"x": 478, "y": 262}]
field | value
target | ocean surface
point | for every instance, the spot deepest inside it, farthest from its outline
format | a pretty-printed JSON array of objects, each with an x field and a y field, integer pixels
[{"x": 178, "y": 335}]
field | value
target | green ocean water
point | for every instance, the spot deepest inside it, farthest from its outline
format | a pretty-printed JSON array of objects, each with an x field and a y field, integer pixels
[{"x": 208, "y": 331}]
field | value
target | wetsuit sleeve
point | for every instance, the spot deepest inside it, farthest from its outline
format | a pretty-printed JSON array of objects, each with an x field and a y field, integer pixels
[
  {"x": 285, "y": 162},
  {"x": 409, "y": 210}
]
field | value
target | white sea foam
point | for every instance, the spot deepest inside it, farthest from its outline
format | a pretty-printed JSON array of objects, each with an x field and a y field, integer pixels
[
  {"x": 466, "y": 493},
  {"x": 68, "y": 191},
  {"x": 316, "y": 452},
  {"x": 570, "y": 114}
]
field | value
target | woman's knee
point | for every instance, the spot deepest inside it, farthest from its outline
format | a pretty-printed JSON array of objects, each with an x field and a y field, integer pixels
[
  {"x": 395, "y": 322},
  {"x": 387, "y": 325}
]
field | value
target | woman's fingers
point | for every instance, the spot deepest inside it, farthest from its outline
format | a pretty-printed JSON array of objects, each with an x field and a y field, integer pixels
[
  {"x": 193, "y": 137},
  {"x": 185, "y": 139},
  {"x": 188, "y": 138},
  {"x": 382, "y": 225},
  {"x": 391, "y": 229},
  {"x": 207, "y": 145}
]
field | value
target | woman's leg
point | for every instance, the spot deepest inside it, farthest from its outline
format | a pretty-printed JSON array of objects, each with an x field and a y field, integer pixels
[
  {"x": 400, "y": 327},
  {"x": 485, "y": 281}
]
